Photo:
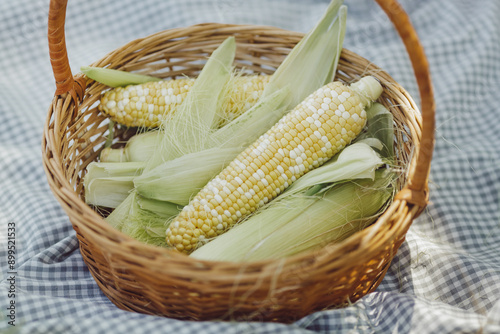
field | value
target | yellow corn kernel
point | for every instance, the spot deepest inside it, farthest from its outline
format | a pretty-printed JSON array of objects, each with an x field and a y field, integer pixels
[{"x": 285, "y": 159}]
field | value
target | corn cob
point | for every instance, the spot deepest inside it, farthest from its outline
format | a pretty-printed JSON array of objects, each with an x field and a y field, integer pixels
[
  {"x": 146, "y": 105},
  {"x": 318, "y": 128}
]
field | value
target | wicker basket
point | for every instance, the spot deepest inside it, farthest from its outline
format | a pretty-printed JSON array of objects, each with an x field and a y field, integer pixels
[{"x": 147, "y": 279}]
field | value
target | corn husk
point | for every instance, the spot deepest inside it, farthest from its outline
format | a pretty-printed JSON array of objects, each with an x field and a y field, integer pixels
[
  {"x": 115, "y": 78},
  {"x": 106, "y": 169},
  {"x": 188, "y": 129},
  {"x": 313, "y": 62},
  {"x": 178, "y": 180},
  {"x": 357, "y": 161},
  {"x": 139, "y": 223},
  {"x": 380, "y": 125},
  {"x": 312, "y": 212},
  {"x": 164, "y": 209},
  {"x": 108, "y": 184},
  {"x": 108, "y": 192}
]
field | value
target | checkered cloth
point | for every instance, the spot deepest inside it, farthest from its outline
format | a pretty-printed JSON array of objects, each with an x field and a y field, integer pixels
[{"x": 446, "y": 275}]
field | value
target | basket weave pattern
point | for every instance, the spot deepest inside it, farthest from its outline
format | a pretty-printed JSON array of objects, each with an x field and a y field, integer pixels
[{"x": 152, "y": 280}]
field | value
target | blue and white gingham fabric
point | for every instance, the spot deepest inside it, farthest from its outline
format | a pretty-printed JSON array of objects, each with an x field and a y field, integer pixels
[{"x": 446, "y": 275}]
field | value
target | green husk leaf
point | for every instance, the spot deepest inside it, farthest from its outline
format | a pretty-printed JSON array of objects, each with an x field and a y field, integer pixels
[
  {"x": 246, "y": 128},
  {"x": 115, "y": 78},
  {"x": 313, "y": 61},
  {"x": 164, "y": 209},
  {"x": 108, "y": 191},
  {"x": 356, "y": 161},
  {"x": 372, "y": 142},
  {"x": 118, "y": 216},
  {"x": 141, "y": 224},
  {"x": 179, "y": 179},
  {"x": 356, "y": 205},
  {"x": 109, "y": 169},
  {"x": 142, "y": 146},
  {"x": 300, "y": 222},
  {"x": 188, "y": 129},
  {"x": 380, "y": 125},
  {"x": 109, "y": 183}
]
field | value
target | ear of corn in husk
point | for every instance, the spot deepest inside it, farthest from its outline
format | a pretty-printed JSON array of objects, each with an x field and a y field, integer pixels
[
  {"x": 326, "y": 205},
  {"x": 236, "y": 133},
  {"x": 308, "y": 136},
  {"x": 188, "y": 129},
  {"x": 144, "y": 101},
  {"x": 142, "y": 146},
  {"x": 148, "y": 104},
  {"x": 200, "y": 105}
]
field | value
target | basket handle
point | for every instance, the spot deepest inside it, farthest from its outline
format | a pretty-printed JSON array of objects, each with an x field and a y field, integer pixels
[
  {"x": 416, "y": 189},
  {"x": 65, "y": 83}
]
